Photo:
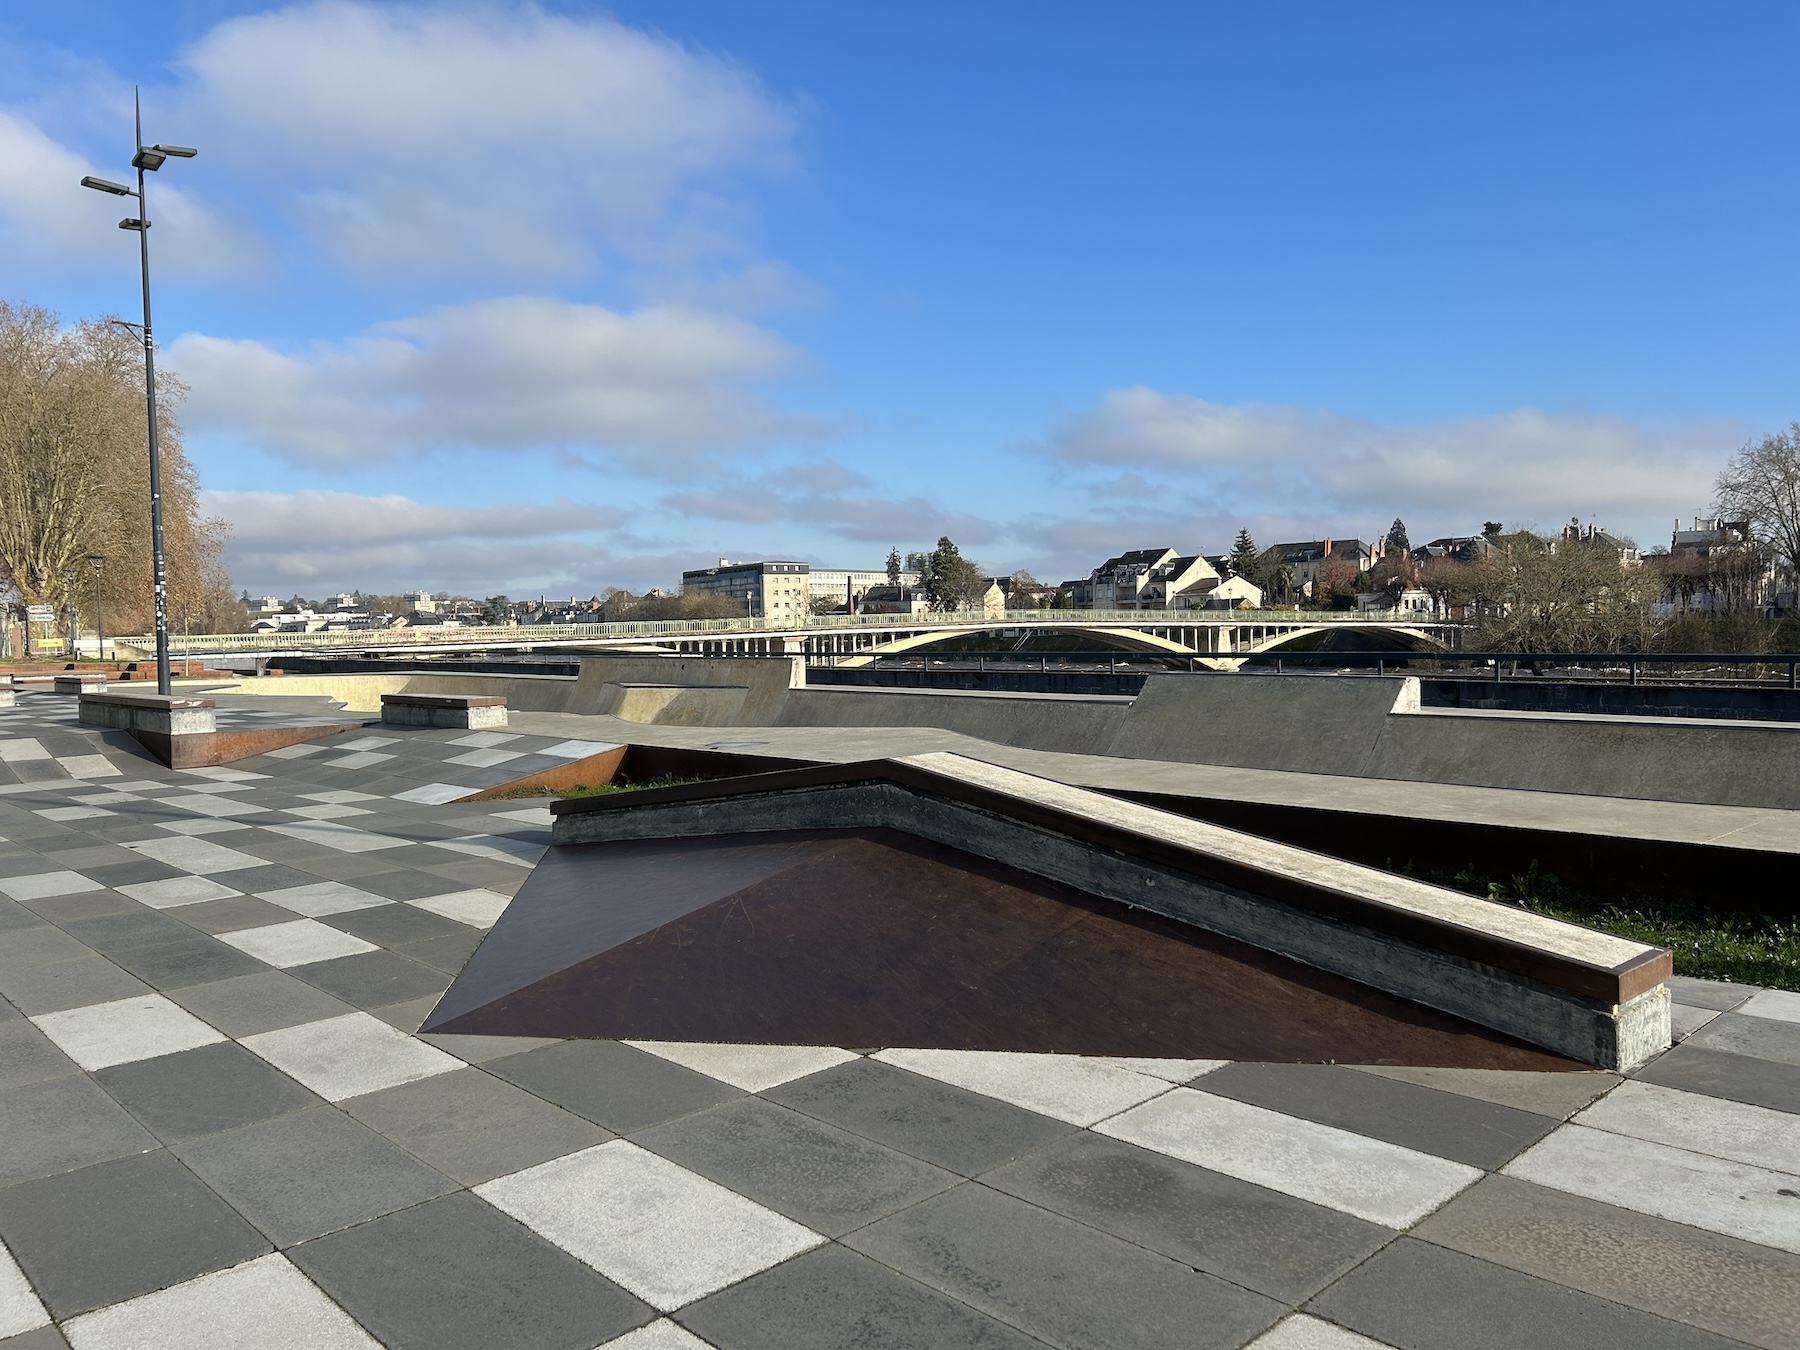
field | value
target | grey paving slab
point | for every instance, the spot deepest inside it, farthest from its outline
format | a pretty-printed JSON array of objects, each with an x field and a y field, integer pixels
[
  {"x": 193, "y": 959},
  {"x": 375, "y": 979},
  {"x": 826, "y": 1178},
  {"x": 1418, "y": 1296},
  {"x": 472, "y": 1126},
  {"x": 135, "y": 927},
  {"x": 351, "y": 867},
  {"x": 407, "y": 884},
  {"x": 493, "y": 876},
  {"x": 14, "y": 916},
  {"x": 63, "y": 1124},
  {"x": 30, "y": 946},
  {"x": 449, "y": 953},
  {"x": 612, "y": 1084},
  {"x": 304, "y": 1175},
  {"x": 1446, "y": 1124},
  {"x": 1718, "y": 1073},
  {"x": 120, "y": 1229},
  {"x": 265, "y": 1001},
  {"x": 1718, "y": 1283},
  {"x": 1558, "y": 1095},
  {"x": 480, "y": 1049},
  {"x": 962, "y": 1131},
  {"x": 273, "y": 877},
  {"x": 199, "y": 1092},
  {"x": 394, "y": 925},
  {"x": 408, "y": 1016},
  {"x": 81, "y": 905},
  {"x": 456, "y": 1274},
  {"x": 1714, "y": 994},
  {"x": 44, "y": 1338},
  {"x": 27, "y": 1055},
  {"x": 1059, "y": 1280},
  {"x": 231, "y": 914},
  {"x": 1760, "y": 1037},
  {"x": 1275, "y": 1244},
  {"x": 832, "y": 1298},
  {"x": 133, "y": 871}
]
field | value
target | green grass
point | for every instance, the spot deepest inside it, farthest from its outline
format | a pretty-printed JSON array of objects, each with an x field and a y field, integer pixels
[
  {"x": 1708, "y": 943},
  {"x": 597, "y": 789}
]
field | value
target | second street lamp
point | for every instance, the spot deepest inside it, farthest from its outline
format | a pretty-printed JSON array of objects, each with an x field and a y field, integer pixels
[
  {"x": 148, "y": 158},
  {"x": 99, "y": 561}
]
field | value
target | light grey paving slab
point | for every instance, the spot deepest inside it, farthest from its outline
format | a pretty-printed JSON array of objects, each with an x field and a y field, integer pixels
[
  {"x": 1701, "y": 1124},
  {"x": 88, "y": 766},
  {"x": 324, "y": 811},
  {"x": 20, "y": 1309},
  {"x": 433, "y": 794},
  {"x": 307, "y": 1173},
  {"x": 176, "y": 891},
  {"x": 484, "y": 740},
  {"x": 485, "y": 759},
  {"x": 662, "y": 1232},
  {"x": 1671, "y": 1183},
  {"x": 1381, "y": 1182},
  {"x": 477, "y": 908},
  {"x": 296, "y": 944},
  {"x": 318, "y": 899},
  {"x": 1684, "y": 1021},
  {"x": 577, "y": 749},
  {"x": 472, "y": 1126},
  {"x": 343, "y": 838},
  {"x": 43, "y": 884},
  {"x": 347, "y": 1056},
  {"x": 196, "y": 855},
  {"x": 1558, "y": 1095},
  {"x": 754, "y": 1068},
  {"x": 1261, "y": 1239},
  {"x": 1059, "y": 1280},
  {"x": 826, "y": 1178},
  {"x": 266, "y": 1001},
  {"x": 1419, "y": 1296},
  {"x": 64, "y": 813},
  {"x": 261, "y": 1305},
  {"x": 220, "y": 773},
  {"x": 362, "y": 759},
  {"x": 1070, "y": 1088},
  {"x": 213, "y": 804},
  {"x": 828, "y": 1299},
  {"x": 662, "y": 1334},
  {"x": 1758, "y": 1037},
  {"x": 125, "y": 1030},
  {"x": 497, "y": 848},
  {"x": 455, "y": 1274},
  {"x": 1780, "y": 1005},
  {"x": 1686, "y": 1274},
  {"x": 205, "y": 825},
  {"x": 1715, "y": 995},
  {"x": 339, "y": 795},
  {"x": 1302, "y": 1331}
]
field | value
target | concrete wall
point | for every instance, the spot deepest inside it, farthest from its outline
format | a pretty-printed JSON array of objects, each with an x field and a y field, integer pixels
[{"x": 1351, "y": 726}]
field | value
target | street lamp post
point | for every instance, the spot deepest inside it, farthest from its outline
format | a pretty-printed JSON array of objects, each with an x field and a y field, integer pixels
[
  {"x": 148, "y": 157},
  {"x": 69, "y": 577},
  {"x": 99, "y": 561}
]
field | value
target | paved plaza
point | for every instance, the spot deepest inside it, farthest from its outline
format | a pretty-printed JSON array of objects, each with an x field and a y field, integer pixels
[{"x": 220, "y": 1128}]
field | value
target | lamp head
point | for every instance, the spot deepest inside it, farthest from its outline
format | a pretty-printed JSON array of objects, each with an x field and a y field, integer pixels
[
  {"x": 176, "y": 151},
  {"x": 106, "y": 185},
  {"x": 148, "y": 157},
  {"x": 134, "y": 223}
]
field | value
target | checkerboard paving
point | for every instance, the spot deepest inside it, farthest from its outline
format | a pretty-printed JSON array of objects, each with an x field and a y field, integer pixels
[{"x": 219, "y": 1127}]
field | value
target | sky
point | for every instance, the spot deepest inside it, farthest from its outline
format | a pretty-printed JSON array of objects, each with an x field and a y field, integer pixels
[{"x": 545, "y": 298}]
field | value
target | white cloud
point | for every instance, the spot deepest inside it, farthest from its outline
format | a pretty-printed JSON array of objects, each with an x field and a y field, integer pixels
[
  {"x": 47, "y": 219},
  {"x": 318, "y": 541},
  {"x": 510, "y": 373},
  {"x": 1300, "y": 464},
  {"x": 501, "y": 139}
]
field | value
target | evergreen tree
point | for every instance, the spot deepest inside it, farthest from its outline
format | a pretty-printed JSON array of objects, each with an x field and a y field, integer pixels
[
  {"x": 1396, "y": 537},
  {"x": 893, "y": 567},
  {"x": 1244, "y": 557}
]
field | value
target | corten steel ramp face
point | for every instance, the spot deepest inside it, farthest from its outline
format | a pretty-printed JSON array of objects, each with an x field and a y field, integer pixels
[{"x": 667, "y": 930}]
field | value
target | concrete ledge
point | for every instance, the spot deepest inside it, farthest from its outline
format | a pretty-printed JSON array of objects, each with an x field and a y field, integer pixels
[
  {"x": 183, "y": 731},
  {"x": 78, "y": 682},
  {"x": 1596, "y": 998},
  {"x": 454, "y": 711}
]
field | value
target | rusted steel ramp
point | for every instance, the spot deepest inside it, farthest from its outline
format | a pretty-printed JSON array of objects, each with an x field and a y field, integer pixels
[{"x": 939, "y": 902}]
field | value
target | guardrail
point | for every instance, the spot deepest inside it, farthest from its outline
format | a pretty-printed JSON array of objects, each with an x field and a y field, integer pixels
[{"x": 359, "y": 639}]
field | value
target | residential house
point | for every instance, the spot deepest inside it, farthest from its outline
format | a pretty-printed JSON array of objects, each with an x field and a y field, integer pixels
[{"x": 1306, "y": 558}]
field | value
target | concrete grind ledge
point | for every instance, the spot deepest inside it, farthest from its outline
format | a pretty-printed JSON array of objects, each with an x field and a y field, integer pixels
[
  {"x": 471, "y": 712},
  {"x": 1596, "y": 998}
]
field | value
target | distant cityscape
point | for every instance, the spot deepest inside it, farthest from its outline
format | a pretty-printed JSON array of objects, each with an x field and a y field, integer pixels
[{"x": 1704, "y": 570}]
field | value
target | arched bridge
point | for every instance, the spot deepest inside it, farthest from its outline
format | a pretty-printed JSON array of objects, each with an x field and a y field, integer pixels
[{"x": 1218, "y": 640}]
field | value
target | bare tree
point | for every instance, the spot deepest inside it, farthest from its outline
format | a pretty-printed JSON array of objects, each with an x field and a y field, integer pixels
[
  {"x": 1761, "y": 484},
  {"x": 74, "y": 476}
]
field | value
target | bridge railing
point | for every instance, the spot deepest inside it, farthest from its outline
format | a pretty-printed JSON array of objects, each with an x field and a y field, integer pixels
[{"x": 364, "y": 639}]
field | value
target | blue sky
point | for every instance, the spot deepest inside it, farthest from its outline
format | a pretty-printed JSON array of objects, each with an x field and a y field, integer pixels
[{"x": 494, "y": 297}]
